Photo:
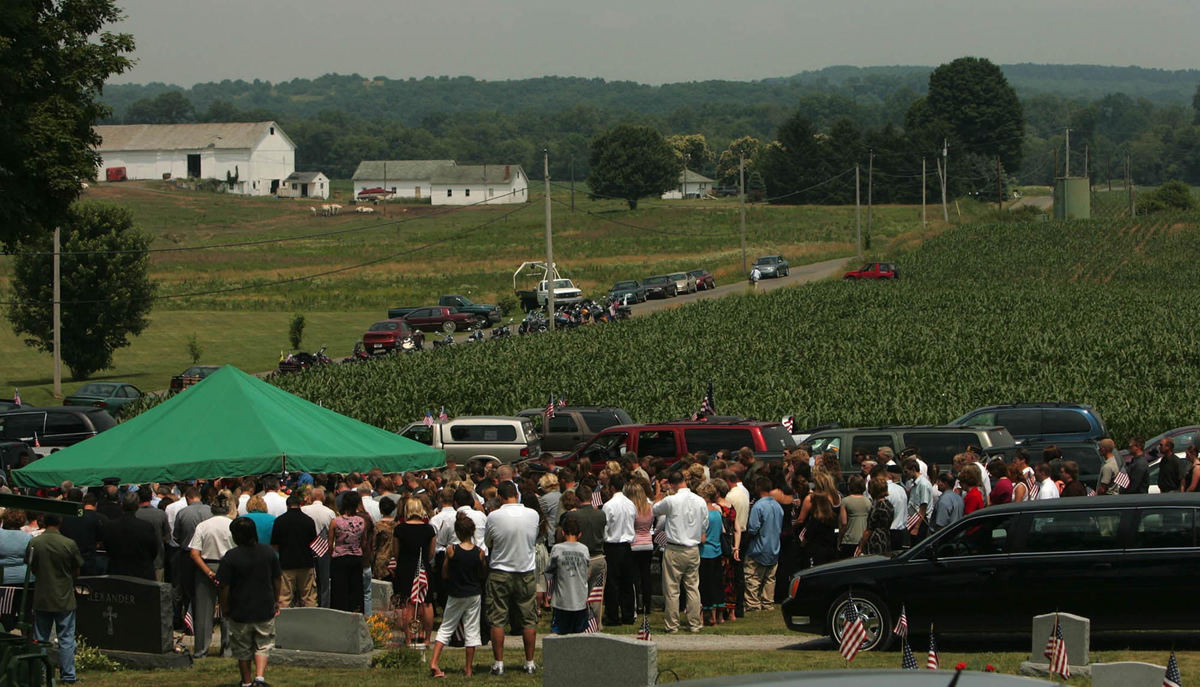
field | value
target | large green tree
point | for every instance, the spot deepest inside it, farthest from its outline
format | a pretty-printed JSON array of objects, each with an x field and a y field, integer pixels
[
  {"x": 171, "y": 107},
  {"x": 106, "y": 289},
  {"x": 746, "y": 147},
  {"x": 972, "y": 96},
  {"x": 54, "y": 59},
  {"x": 632, "y": 162}
]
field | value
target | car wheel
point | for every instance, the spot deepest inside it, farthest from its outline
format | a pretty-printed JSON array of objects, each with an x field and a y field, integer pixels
[
  {"x": 849, "y": 277},
  {"x": 876, "y": 618},
  {"x": 449, "y": 327}
]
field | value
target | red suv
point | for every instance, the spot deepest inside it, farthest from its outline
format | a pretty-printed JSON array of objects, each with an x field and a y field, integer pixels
[
  {"x": 389, "y": 335},
  {"x": 673, "y": 440},
  {"x": 874, "y": 270}
]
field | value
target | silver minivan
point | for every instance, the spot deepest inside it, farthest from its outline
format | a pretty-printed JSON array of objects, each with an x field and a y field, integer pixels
[{"x": 479, "y": 437}]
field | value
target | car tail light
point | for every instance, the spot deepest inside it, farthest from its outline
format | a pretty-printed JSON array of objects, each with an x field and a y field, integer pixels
[
  {"x": 101, "y": 404},
  {"x": 66, "y": 401},
  {"x": 525, "y": 452},
  {"x": 794, "y": 587}
]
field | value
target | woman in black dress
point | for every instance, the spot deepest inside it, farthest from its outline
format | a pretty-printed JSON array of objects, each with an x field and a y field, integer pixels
[
  {"x": 414, "y": 546},
  {"x": 820, "y": 534}
]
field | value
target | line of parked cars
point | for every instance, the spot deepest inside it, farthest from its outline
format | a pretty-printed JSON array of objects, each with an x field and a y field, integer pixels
[{"x": 662, "y": 286}]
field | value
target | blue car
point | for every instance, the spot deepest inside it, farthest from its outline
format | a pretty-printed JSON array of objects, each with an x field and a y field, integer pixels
[{"x": 1043, "y": 422}]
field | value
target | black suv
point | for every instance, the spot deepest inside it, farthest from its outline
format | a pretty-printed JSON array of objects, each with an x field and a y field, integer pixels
[
  {"x": 55, "y": 426},
  {"x": 1041, "y": 421},
  {"x": 935, "y": 444}
]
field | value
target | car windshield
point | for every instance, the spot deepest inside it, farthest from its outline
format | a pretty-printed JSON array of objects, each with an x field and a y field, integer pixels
[
  {"x": 867, "y": 267},
  {"x": 769, "y": 260},
  {"x": 625, "y": 285},
  {"x": 696, "y": 273},
  {"x": 563, "y": 284},
  {"x": 198, "y": 371},
  {"x": 657, "y": 280},
  {"x": 384, "y": 327},
  {"x": 678, "y": 276},
  {"x": 95, "y": 389}
]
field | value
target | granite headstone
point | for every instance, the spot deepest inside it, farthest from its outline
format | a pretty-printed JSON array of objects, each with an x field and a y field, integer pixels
[
  {"x": 598, "y": 660},
  {"x": 1127, "y": 674},
  {"x": 322, "y": 629},
  {"x": 124, "y": 613}
]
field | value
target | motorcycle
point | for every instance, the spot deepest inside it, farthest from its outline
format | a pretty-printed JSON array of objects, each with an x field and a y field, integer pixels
[
  {"x": 502, "y": 331},
  {"x": 413, "y": 342},
  {"x": 358, "y": 355},
  {"x": 534, "y": 322},
  {"x": 476, "y": 335},
  {"x": 301, "y": 361},
  {"x": 619, "y": 311},
  {"x": 447, "y": 340}
]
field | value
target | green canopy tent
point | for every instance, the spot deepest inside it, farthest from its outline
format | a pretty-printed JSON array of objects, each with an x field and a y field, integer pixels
[{"x": 228, "y": 425}]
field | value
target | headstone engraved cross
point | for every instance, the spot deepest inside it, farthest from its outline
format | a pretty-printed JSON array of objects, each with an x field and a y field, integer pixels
[{"x": 110, "y": 617}]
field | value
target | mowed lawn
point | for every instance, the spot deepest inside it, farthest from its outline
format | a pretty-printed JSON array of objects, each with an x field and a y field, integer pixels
[{"x": 251, "y": 340}]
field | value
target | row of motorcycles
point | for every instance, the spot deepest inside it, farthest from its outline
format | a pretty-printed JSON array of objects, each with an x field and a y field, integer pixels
[{"x": 565, "y": 317}]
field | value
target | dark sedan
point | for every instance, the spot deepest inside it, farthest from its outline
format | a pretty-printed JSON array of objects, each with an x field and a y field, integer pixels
[
  {"x": 631, "y": 288},
  {"x": 661, "y": 286},
  {"x": 111, "y": 395},
  {"x": 1076, "y": 555},
  {"x": 704, "y": 279}
]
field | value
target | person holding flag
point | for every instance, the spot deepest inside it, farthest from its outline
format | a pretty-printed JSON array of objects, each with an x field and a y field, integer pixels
[
  {"x": 920, "y": 500},
  {"x": 414, "y": 550}
]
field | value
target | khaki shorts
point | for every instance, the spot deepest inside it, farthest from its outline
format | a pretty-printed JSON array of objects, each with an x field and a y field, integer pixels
[
  {"x": 248, "y": 640},
  {"x": 516, "y": 590}
]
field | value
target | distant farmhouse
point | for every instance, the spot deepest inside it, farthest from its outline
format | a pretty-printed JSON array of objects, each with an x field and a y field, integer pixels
[
  {"x": 305, "y": 185},
  {"x": 255, "y": 157},
  {"x": 444, "y": 182},
  {"x": 691, "y": 185}
]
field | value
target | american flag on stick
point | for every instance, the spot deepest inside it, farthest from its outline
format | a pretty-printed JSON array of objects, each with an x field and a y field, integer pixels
[
  {"x": 931, "y": 661},
  {"x": 16, "y": 396},
  {"x": 789, "y": 423},
  {"x": 187, "y": 619},
  {"x": 562, "y": 401},
  {"x": 319, "y": 546},
  {"x": 901, "y": 628},
  {"x": 854, "y": 633},
  {"x": 914, "y": 520},
  {"x": 1056, "y": 652},
  {"x": 420, "y": 584},
  {"x": 909, "y": 662},
  {"x": 597, "y": 500},
  {"x": 1122, "y": 479},
  {"x": 549, "y": 411},
  {"x": 708, "y": 406},
  {"x": 644, "y": 631},
  {"x": 593, "y": 623},
  {"x": 428, "y": 419},
  {"x": 596, "y": 594},
  {"x": 442, "y": 416},
  {"x": 1172, "y": 678}
]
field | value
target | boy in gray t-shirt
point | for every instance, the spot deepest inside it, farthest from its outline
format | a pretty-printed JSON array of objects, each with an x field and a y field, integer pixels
[{"x": 568, "y": 571}]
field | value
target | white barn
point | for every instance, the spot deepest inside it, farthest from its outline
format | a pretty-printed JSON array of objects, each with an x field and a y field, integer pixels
[
  {"x": 475, "y": 184},
  {"x": 305, "y": 185},
  {"x": 691, "y": 185},
  {"x": 255, "y": 156},
  {"x": 401, "y": 178}
]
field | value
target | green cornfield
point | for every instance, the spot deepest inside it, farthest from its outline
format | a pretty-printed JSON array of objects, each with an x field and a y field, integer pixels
[{"x": 1101, "y": 312}]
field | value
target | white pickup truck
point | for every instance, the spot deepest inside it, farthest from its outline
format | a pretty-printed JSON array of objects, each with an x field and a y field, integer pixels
[{"x": 565, "y": 291}]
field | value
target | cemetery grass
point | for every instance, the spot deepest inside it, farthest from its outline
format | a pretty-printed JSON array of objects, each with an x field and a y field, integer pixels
[
  {"x": 250, "y": 340},
  {"x": 687, "y": 665},
  {"x": 425, "y": 251}
]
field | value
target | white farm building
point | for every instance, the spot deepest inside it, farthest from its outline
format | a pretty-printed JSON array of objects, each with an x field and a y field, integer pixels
[
  {"x": 691, "y": 185},
  {"x": 476, "y": 184},
  {"x": 255, "y": 157},
  {"x": 399, "y": 178},
  {"x": 305, "y": 185}
]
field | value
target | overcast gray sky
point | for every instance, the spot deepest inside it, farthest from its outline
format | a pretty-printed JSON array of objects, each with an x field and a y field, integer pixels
[{"x": 650, "y": 41}]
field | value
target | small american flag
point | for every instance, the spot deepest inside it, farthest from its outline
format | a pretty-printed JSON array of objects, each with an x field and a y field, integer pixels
[
  {"x": 428, "y": 419},
  {"x": 1029, "y": 484},
  {"x": 1056, "y": 652},
  {"x": 1122, "y": 479},
  {"x": 708, "y": 405},
  {"x": 16, "y": 396},
  {"x": 1172, "y": 678},
  {"x": 391, "y": 565},
  {"x": 914, "y": 520},
  {"x": 901, "y": 628},
  {"x": 660, "y": 538},
  {"x": 420, "y": 585},
  {"x": 931, "y": 662},
  {"x": 442, "y": 416},
  {"x": 187, "y": 619},
  {"x": 789, "y": 423},
  {"x": 562, "y": 401},
  {"x": 644, "y": 632},
  {"x": 7, "y": 596},
  {"x": 597, "y": 500},
  {"x": 593, "y": 624},
  {"x": 596, "y": 594},
  {"x": 319, "y": 546},
  {"x": 803, "y": 534},
  {"x": 549, "y": 411},
  {"x": 1090, "y": 491},
  {"x": 1034, "y": 490},
  {"x": 854, "y": 633},
  {"x": 909, "y": 662}
]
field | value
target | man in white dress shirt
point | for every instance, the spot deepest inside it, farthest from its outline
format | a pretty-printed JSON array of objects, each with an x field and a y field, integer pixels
[
  {"x": 619, "y": 514},
  {"x": 687, "y": 519}
]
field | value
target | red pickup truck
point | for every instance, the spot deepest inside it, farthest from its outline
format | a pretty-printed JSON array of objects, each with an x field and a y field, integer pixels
[
  {"x": 874, "y": 270},
  {"x": 437, "y": 317}
]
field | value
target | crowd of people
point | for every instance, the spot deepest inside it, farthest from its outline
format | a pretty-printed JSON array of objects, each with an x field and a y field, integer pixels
[{"x": 494, "y": 547}]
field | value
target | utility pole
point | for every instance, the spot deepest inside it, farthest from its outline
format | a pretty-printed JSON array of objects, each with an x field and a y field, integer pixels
[
  {"x": 1087, "y": 153},
  {"x": 1129, "y": 185},
  {"x": 742, "y": 198},
  {"x": 572, "y": 183},
  {"x": 683, "y": 179},
  {"x": 550, "y": 271},
  {"x": 999, "y": 191},
  {"x": 924, "y": 186},
  {"x": 57, "y": 314},
  {"x": 945, "y": 174},
  {"x": 870, "y": 187},
  {"x": 1067, "y": 169},
  {"x": 857, "y": 210}
]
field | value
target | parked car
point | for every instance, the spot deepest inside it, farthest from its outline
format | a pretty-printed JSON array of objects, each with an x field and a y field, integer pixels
[
  {"x": 490, "y": 313},
  {"x": 704, "y": 279},
  {"x": 936, "y": 444},
  {"x": 479, "y": 437},
  {"x": 660, "y": 286},
  {"x": 1041, "y": 421},
  {"x": 1182, "y": 437},
  {"x": 441, "y": 318},
  {"x": 1063, "y": 554},
  {"x": 190, "y": 376},
  {"x": 631, "y": 288},
  {"x": 1086, "y": 455},
  {"x": 874, "y": 270},
  {"x": 573, "y": 424},
  {"x": 388, "y": 335},
  {"x": 684, "y": 282},
  {"x": 110, "y": 395},
  {"x": 674, "y": 440},
  {"x": 54, "y": 427},
  {"x": 772, "y": 266}
]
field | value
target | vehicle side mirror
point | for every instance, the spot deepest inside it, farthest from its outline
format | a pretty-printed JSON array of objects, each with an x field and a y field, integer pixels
[{"x": 931, "y": 553}]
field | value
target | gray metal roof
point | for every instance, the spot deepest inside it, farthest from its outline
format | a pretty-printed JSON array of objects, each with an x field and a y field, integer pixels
[
  {"x": 303, "y": 177},
  {"x": 476, "y": 174},
  {"x": 401, "y": 170},
  {"x": 695, "y": 177},
  {"x": 220, "y": 135}
]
